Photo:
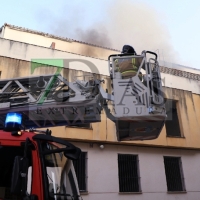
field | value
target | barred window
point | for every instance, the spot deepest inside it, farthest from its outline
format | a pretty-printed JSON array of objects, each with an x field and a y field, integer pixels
[
  {"x": 80, "y": 167},
  {"x": 172, "y": 121},
  {"x": 128, "y": 171},
  {"x": 174, "y": 174}
]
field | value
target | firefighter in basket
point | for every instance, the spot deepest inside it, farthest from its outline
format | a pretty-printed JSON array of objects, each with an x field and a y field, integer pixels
[{"x": 128, "y": 67}]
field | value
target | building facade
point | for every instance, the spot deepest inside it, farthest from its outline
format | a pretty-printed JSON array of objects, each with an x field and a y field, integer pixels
[{"x": 164, "y": 168}]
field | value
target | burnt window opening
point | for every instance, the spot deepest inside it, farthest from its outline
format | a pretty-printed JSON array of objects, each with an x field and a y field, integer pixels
[
  {"x": 128, "y": 172},
  {"x": 174, "y": 174},
  {"x": 80, "y": 167},
  {"x": 172, "y": 122}
]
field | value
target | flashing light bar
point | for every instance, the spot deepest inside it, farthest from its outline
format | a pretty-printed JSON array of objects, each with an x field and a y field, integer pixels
[{"x": 13, "y": 121}]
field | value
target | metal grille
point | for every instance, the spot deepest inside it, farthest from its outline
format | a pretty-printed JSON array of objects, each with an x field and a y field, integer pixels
[
  {"x": 172, "y": 121},
  {"x": 174, "y": 174},
  {"x": 128, "y": 171},
  {"x": 81, "y": 173}
]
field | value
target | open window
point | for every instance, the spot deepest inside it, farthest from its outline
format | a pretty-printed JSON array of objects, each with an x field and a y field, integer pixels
[{"x": 172, "y": 122}]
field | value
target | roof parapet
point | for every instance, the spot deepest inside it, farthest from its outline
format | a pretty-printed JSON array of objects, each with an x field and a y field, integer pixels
[{"x": 54, "y": 36}]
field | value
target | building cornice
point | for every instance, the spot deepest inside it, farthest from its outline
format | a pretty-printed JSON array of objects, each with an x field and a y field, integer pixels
[{"x": 180, "y": 73}]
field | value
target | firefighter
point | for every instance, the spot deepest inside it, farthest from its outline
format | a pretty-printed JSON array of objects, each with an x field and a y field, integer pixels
[{"x": 128, "y": 67}]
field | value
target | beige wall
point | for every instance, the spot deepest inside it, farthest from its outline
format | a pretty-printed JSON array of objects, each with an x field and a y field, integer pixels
[
  {"x": 45, "y": 40},
  {"x": 188, "y": 111},
  {"x": 102, "y": 173},
  {"x": 188, "y": 106},
  {"x": 27, "y": 52}
]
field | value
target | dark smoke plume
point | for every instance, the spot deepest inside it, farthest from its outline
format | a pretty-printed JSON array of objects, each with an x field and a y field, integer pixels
[{"x": 123, "y": 22}]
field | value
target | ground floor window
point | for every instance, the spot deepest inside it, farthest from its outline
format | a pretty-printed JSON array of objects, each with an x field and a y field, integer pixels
[
  {"x": 128, "y": 171},
  {"x": 80, "y": 167},
  {"x": 174, "y": 174}
]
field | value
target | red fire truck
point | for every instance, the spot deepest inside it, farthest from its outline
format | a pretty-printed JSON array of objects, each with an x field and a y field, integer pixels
[{"x": 36, "y": 166}]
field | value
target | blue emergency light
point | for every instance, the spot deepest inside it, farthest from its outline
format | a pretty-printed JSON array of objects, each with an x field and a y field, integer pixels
[{"x": 13, "y": 121}]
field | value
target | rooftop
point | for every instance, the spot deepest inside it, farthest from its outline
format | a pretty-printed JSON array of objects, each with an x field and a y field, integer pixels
[
  {"x": 166, "y": 67},
  {"x": 52, "y": 36}
]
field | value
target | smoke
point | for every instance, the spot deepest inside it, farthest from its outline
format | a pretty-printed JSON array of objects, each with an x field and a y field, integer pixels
[
  {"x": 93, "y": 36},
  {"x": 141, "y": 26},
  {"x": 122, "y": 22}
]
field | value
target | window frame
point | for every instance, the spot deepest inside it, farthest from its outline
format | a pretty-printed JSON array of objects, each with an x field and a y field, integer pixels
[
  {"x": 136, "y": 166},
  {"x": 179, "y": 175},
  {"x": 179, "y": 128},
  {"x": 86, "y": 172}
]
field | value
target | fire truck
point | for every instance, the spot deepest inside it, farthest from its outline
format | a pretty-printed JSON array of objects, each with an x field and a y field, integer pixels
[{"x": 36, "y": 165}]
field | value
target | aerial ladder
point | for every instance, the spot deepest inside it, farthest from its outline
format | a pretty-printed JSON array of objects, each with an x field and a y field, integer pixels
[
  {"x": 135, "y": 105},
  {"x": 37, "y": 166}
]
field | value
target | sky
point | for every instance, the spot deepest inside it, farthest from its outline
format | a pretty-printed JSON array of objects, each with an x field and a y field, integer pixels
[{"x": 169, "y": 27}]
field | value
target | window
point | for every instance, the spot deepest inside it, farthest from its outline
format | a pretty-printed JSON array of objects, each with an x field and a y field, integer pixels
[
  {"x": 128, "y": 171},
  {"x": 174, "y": 174},
  {"x": 172, "y": 122},
  {"x": 80, "y": 167}
]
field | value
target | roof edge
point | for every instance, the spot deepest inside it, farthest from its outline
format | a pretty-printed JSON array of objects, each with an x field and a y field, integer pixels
[{"x": 54, "y": 36}]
